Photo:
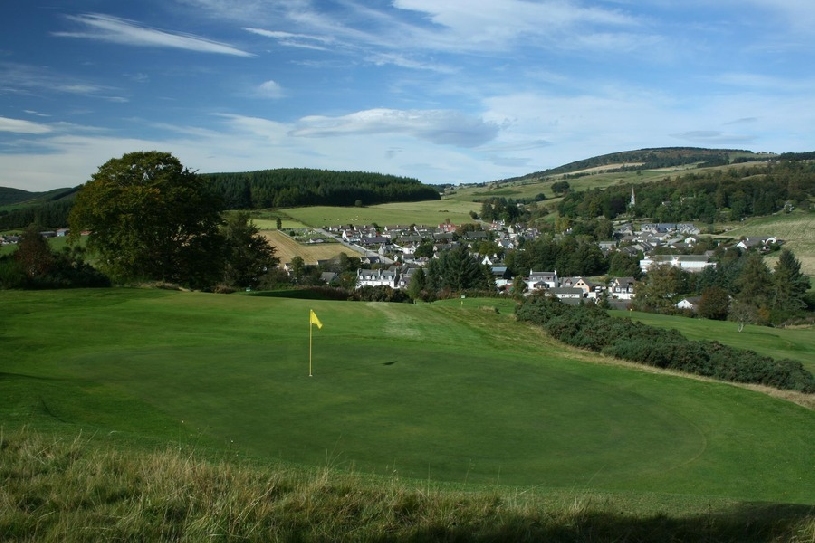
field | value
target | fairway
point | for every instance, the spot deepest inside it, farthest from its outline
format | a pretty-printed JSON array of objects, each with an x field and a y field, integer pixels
[{"x": 447, "y": 391}]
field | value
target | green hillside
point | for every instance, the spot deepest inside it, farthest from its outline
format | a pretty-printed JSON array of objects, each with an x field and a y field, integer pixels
[{"x": 450, "y": 392}]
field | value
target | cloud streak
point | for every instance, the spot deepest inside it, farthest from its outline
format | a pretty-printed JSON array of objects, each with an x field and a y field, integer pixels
[
  {"x": 123, "y": 32},
  {"x": 436, "y": 126},
  {"x": 18, "y": 126}
]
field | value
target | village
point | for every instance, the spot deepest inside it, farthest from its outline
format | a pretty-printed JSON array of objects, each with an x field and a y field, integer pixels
[{"x": 393, "y": 255}]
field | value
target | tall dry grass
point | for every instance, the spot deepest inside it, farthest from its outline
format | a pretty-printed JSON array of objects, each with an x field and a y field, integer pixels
[{"x": 56, "y": 489}]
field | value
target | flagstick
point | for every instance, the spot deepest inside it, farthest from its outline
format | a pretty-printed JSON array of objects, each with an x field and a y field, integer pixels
[{"x": 310, "y": 326}]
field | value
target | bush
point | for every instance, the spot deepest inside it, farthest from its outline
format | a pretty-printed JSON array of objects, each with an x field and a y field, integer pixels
[{"x": 594, "y": 329}]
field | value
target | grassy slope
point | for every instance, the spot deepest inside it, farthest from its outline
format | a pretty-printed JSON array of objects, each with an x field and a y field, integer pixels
[
  {"x": 428, "y": 213},
  {"x": 446, "y": 391},
  {"x": 798, "y": 229},
  {"x": 775, "y": 342}
]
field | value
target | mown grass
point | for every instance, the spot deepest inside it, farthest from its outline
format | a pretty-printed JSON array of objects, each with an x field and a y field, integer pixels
[
  {"x": 450, "y": 391},
  {"x": 85, "y": 489}
]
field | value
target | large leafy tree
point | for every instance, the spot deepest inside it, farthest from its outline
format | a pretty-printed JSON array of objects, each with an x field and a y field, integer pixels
[
  {"x": 150, "y": 218},
  {"x": 660, "y": 287}
]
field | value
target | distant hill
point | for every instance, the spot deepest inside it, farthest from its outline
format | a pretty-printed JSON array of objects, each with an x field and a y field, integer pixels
[
  {"x": 49, "y": 209},
  {"x": 10, "y": 197},
  {"x": 650, "y": 159}
]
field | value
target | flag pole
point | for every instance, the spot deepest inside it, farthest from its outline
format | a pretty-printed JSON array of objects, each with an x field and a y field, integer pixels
[{"x": 310, "y": 326}]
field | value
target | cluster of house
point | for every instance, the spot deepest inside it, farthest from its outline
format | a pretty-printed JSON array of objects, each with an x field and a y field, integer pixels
[
  {"x": 14, "y": 240},
  {"x": 568, "y": 289},
  {"x": 392, "y": 260}
]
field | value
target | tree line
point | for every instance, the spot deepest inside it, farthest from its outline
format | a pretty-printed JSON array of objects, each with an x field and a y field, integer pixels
[
  {"x": 731, "y": 194},
  {"x": 308, "y": 187},
  {"x": 740, "y": 288}
]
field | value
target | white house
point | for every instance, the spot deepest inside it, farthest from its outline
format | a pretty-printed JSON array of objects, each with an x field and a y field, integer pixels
[
  {"x": 541, "y": 280},
  {"x": 691, "y": 263},
  {"x": 377, "y": 278},
  {"x": 622, "y": 288}
]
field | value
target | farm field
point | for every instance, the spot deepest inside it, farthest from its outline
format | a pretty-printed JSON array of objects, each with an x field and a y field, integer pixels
[
  {"x": 451, "y": 392},
  {"x": 288, "y": 248},
  {"x": 428, "y": 213}
]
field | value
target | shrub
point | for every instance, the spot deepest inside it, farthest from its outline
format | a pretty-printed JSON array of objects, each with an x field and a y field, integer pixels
[{"x": 594, "y": 329}]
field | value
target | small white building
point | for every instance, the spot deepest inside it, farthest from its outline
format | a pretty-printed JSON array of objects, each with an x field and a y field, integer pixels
[{"x": 691, "y": 263}]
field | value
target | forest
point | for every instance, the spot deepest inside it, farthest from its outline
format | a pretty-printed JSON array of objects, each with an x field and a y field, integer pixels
[
  {"x": 306, "y": 187},
  {"x": 710, "y": 196}
]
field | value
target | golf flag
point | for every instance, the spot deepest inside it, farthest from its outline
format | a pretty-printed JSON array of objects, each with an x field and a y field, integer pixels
[{"x": 314, "y": 320}]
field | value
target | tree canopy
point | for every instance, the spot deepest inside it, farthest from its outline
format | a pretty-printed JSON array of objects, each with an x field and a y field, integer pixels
[{"x": 149, "y": 218}]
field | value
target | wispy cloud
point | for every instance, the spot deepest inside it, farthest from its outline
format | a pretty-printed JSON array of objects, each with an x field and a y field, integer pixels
[
  {"x": 18, "y": 126},
  {"x": 288, "y": 39},
  {"x": 437, "y": 126},
  {"x": 713, "y": 137},
  {"x": 124, "y": 32}
]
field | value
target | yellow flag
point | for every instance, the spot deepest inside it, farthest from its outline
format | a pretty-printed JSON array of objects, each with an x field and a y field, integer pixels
[{"x": 313, "y": 319}]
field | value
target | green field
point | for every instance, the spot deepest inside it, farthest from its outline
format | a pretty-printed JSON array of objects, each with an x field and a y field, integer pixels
[
  {"x": 427, "y": 213},
  {"x": 450, "y": 391},
  {"x": 796, "y": 344}
]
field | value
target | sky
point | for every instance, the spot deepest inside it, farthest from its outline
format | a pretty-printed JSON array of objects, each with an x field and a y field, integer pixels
[{"x": 445, "y": 91}]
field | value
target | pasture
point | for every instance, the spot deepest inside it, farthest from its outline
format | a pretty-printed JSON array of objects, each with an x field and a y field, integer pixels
[
  {"x": 428, "y": 213},
  {"x": 446, "y": 392}
]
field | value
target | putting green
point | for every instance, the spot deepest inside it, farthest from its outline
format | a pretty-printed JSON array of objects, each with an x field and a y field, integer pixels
[{"x": 422, "y": 414}]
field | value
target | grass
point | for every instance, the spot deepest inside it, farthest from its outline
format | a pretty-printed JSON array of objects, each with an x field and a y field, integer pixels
[
  {"x": 83, "y": 488},
  {"x": 449, "y": 392},
  {"x": 796, "y": 344},
  {"x": 797, "y": 229},
  {"x": 428, "y": 213}
]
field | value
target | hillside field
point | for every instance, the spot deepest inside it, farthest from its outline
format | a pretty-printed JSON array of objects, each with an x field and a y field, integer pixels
[
  {"x": 455, "y": 392},
  {"x": 797, "y": 229},
  {"x": 287, "y": 248},
  {"x": 427, "y": 213}
]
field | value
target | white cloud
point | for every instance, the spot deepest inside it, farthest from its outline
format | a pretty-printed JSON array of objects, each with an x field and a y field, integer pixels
[
  {"x": 17, "y": 126},
  {"x": 270, "y": 89},
  {"x": 436, "y": 126},
  {"x": 123, "y": 32}
]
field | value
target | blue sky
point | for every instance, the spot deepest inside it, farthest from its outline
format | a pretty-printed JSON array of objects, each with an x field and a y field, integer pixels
[{"x": 441, "y": 90}]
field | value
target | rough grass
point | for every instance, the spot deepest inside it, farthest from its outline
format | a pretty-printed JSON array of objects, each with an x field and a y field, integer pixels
[{"x": 82, "y": 489}]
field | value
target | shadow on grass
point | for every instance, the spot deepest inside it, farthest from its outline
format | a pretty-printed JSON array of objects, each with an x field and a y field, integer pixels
[{"x": 744, "y": 523}]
